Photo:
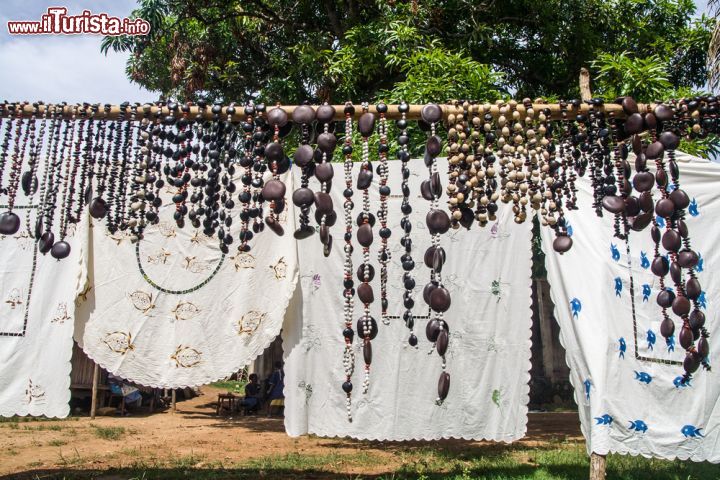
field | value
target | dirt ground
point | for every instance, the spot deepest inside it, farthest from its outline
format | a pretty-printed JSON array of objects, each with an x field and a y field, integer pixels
[{"x": 195, "y": 436}]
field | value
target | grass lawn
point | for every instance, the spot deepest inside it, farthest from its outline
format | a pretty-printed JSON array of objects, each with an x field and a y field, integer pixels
[{"x": 554, "y": 461}]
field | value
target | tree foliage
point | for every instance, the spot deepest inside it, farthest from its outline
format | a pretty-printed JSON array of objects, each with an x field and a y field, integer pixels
[{"x": 418, "y": 50}]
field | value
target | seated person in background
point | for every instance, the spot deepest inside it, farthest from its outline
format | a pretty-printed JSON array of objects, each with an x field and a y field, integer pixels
[
  {"x": 253, "y": 391},
  {"x": 130, "y": 394},
  {"x": 276, "y": 385}
]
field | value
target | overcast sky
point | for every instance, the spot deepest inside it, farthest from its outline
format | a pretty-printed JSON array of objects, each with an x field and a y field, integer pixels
[{"x": 69, "y": 68}]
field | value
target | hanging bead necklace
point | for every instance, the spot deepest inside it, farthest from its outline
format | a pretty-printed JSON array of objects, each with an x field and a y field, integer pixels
[
  {"x": 348, "y": 290},
  {"x": 274, "y": 189},
  {"x": 408, "y": 264},
  {"x": 324, "y": 211},
  {"x": 384, "y": 190},
  {"x": 303, "y": 197},
  {"x": 438, "y": 222},
  {"x": 246, "y": 161},
  {"x": 9, "y": 221},
  {"x": 367, "y": 327},
  {"x": 61, "y": 248}
]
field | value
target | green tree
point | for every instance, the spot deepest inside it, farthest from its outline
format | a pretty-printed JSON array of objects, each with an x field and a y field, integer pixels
[{"x": 322, "y": 50}]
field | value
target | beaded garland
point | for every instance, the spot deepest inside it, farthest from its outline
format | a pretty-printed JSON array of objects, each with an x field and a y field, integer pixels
[{"x": 510, "y": 152}]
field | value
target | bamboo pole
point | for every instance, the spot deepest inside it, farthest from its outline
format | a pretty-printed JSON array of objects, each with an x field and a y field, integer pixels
[
  {"x": 597, "y": 466},
  {"x": 95, "y": 381},
  {"x": 112, "y": 112}
]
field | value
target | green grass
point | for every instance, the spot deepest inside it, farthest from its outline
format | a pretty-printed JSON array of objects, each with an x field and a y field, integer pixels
[
  {"x": 57, "y": 443},
  {"x": 108, "y": 433},
  {"x": 230, "y": 385},
  {"x": 457, "y": 461}
]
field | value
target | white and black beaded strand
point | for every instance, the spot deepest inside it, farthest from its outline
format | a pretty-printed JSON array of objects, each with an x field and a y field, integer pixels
[
  {"x": 367, "y": 328},
  {"x": 382, "y": 214},
  {"x": 30, "y": 182},
  {"x": 259, "y": 167},
  {"x": 324, "y": 210},
  {"x": 348, "y": 284},
  {"x": 438, "y": 222},
  {"x": 408, "y": 264},
  {"x": 98, "y": 206}
]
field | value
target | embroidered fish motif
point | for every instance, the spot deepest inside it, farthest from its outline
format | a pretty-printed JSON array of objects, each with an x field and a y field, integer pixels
[
  {"x": 142, "y": 301},
  {"x": 660, "y": 221},
  {"x": 588, "y": 385},
  {"x": 638, "y": 426},
  {"x": 119, "y": 342},
  {"x": 575, "y": 307},
  {"x": 646, "y": 291},
  {"x": 614, "y": 252},
  {"x": 196, "y": 266},
  {"x": 622, "y": 348},
  {"x": 651, "y": 339},
  {"x": 185, "y": 310},
  {"x": 604, "y": 420},
  {"x": 496, "y": 397},
  {"x": 186, "y": 357},
  {"x": 693, "y": 208},
  {"x": 701, "y": 300},
  {"x": 681, "y": 382},
  {"x": 250, "y": 322},
  {"x": 643, "y": 377},
  {"x": 670, "y": 342},
  {"x": 280, "y": 268},
  {"x": 243, "y": 260},
  {"x": 644, "y": 262},
  {"x": 14, "y": 298},
  {"x": 691, "y": 431},
  {"x": 618, "y": 286}
]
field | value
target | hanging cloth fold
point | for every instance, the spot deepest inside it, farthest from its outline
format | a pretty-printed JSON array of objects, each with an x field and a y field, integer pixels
[
  {"x": 173, "y": 311},
  {"x": 626, "y": 375}
]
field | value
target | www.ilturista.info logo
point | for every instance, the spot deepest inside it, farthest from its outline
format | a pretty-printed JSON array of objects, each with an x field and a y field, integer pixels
[{"x": 57, "y": 22}]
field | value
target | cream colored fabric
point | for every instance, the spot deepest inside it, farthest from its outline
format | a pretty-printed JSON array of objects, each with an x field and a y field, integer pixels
[
  {"x": 488, "y": 275},
  {"x": 173, "y": 311},
  {"x": 36, "y": 322}
]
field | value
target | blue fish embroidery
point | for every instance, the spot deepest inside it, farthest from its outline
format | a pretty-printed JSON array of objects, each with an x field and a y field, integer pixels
[
  {"x": 646, "y": 291},
  {"x": 644, "y": 262},
  {"x": 575, "y": 307},
  {"x": 670, "y": 342},
  {"x": 651, "y": 339},
  {"x": 681, "y": 382},
  {"x": 638, "y": 426},
  {"x": 701, "y": 300},
  {"x": 618, "y": 286},
  {"x": 693, "y": 208},
  {"x": 615, "y": 252},
  {"x": 604, "y": 420},
  {"x": 588, "y": 385},
  {"x": 643, "y": 377},
  {"x": 568, "y": 229},
  {"x": 660, "y": 221},
  {"x": 622, "y": 348},
  {"x": 691, "y": 431},
  {"x": 701, "y": 263}
]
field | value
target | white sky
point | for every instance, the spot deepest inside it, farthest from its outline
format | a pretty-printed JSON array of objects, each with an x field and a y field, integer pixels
[{"x": 70, "y": 68}]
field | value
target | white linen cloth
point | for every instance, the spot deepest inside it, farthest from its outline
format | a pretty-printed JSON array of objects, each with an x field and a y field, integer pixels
[
  {"x": 488, "y": 275},
  {"x": 629, "y": 400},
  {"x": 36, "y": 321},
  {"x": 172, "y": 311}
]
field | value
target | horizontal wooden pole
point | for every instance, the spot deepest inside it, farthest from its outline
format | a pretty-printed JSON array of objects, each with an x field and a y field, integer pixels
[{"x": 113, "y": 112}]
